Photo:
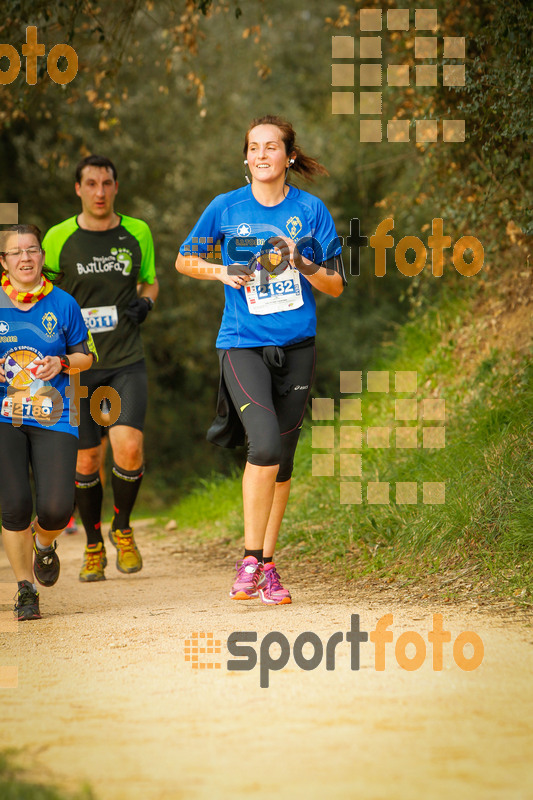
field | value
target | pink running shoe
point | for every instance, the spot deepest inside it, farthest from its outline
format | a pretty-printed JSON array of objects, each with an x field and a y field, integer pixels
[
  {"x": 249, "y": 578},
  {"x": 271, "y": 590}
]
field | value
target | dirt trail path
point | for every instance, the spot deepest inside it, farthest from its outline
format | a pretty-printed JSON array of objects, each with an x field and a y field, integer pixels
[{"x": 105, "y": 694}]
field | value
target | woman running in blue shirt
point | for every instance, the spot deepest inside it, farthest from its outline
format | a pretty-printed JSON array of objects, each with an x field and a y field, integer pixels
[
  {"x": 277, "y": 244},
  {"x": 43, "y": 336}
]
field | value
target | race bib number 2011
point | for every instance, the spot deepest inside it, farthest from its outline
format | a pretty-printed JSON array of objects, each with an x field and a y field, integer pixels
[{"x": 103, "y": 318}]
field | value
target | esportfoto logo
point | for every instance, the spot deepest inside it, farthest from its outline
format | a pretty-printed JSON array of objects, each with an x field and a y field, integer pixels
[{"x": 309, "y": 651}]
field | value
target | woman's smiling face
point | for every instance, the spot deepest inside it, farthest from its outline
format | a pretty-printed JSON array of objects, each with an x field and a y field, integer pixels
[
  {"x": 267, "y": 158},
  {"x": 24, "y": 270}
]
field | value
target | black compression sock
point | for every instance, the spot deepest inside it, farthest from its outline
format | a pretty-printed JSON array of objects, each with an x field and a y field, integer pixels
[
  {"x": 255, "y": 553},
  {"x": 268, "y": 559},
  {"x": 89, "y": 495},
  {"x": 125, "y": 485}
]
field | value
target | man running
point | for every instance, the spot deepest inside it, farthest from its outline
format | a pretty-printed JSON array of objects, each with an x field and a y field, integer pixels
[{"x": 108, "y": 263}]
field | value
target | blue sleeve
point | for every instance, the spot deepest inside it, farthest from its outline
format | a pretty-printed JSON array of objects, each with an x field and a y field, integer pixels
[
  {"x": 203, "y": 237},
  {"x": 326, "y": 242},
  {"x": 75, "y": 330}
]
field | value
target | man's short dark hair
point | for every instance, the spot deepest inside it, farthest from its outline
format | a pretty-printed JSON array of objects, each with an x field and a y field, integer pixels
[{"x": 95, "y": 161}]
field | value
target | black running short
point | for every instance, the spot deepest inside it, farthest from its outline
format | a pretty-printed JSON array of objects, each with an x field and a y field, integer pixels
[
  {"x": 270, "y": 398},
  {"x": 52, "y": 455},
  {"x": 131, "y": 384}
]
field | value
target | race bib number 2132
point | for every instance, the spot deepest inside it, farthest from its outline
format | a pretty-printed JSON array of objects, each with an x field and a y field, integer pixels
[{"x": 279, "y": 293}]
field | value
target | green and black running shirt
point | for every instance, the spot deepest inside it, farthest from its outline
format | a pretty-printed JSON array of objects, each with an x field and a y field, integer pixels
[{"x": 102, "y": 270}]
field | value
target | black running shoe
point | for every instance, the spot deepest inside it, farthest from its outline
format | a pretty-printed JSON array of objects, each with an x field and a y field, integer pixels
[
  {"x": 27, "y": 605},
  {"x": 45, "y": 564}
]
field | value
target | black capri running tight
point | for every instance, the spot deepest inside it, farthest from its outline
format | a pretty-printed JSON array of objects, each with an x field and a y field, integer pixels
[
  {"x": 272, "y": 421},
  {"x": 52, "y": 455}
]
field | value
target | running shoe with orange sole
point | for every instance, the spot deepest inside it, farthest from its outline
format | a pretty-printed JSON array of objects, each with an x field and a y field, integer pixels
[
  {"x": 249, "y": 578},
  {"x": 271, "y": 591}
]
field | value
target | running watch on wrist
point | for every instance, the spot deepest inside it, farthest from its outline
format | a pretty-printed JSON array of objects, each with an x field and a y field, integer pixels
[{"x": 65, "y": 363}]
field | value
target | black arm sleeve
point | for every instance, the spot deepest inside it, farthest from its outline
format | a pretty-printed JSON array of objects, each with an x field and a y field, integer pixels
[
  {"x": 335, "y": 265},
  {"x": 82, "y": 347}
]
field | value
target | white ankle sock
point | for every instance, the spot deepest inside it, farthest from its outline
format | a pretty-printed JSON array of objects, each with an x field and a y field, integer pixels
[{"x": 41, "y": 546}]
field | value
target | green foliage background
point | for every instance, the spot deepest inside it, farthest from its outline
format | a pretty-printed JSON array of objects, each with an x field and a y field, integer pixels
[{"x": 167, "y": 91}]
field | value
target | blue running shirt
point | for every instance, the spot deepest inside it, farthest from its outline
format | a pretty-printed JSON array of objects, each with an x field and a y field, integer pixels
[
  {"x": 243, "y": 226},
  {"x": 48, "y": 328}
]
